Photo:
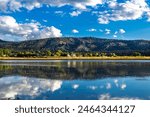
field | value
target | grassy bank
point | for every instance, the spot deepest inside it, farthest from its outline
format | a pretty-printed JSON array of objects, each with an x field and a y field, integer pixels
[{"x": 79, "y": 58}]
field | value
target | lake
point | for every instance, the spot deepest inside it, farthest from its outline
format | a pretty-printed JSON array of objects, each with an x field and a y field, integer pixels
[{"x": 75, "y": 79}]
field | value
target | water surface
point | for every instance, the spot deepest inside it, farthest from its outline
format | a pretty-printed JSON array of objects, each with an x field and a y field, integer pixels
[{"x": 74, "y": 79}]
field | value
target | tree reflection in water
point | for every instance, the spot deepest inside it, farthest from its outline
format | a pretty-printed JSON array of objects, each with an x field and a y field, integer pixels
[{"x": 74, "y": 80}]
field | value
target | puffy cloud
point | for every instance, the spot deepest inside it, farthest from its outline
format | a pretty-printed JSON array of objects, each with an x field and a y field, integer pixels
[
  {"x": 115, "y": 36},
  {"x": 112, "y": 3},
  {"x": 14, "y": 5},
  {"x": 92, "y": 30},
  {"x": 10, "y": 28},
  {"x": 32, "y": 4},
  {"x": 103, "y": 19},
  {"x": 3, "y": 5},
  {"x": 79, "y": 4},
  {"x": 107, "y": 31},
  {"x": 46, "y": 33},
  {"x": 75, "y": 13},
  {"x": 129, "y": 10},
  {"x": 75, "y": 31},
  {"x": 115, "y": 10},
  {"x": 122, "y": 31}
]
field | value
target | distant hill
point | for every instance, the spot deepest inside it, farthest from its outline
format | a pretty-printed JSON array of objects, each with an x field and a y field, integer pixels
[{"x": 73, "y": 44}]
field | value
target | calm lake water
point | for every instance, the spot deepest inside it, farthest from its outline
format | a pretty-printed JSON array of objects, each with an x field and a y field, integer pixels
[{"x": 74, "y": 79}]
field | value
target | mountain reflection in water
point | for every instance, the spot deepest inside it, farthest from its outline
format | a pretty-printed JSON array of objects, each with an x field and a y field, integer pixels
[{"x": 74, "y": 79}]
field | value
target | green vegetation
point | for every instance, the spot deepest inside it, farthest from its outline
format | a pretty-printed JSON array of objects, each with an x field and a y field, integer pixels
[
  {"x": 136, "y": 54},
  {"x": 5, "y": 52},
  {"x": 60, "y": 53}
]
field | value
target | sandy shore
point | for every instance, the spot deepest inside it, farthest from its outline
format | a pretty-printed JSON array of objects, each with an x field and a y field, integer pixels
[{"x": 78, "y": 58}]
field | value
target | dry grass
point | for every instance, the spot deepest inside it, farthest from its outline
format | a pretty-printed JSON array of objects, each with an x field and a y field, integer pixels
[{"x": 79, "y": 58}]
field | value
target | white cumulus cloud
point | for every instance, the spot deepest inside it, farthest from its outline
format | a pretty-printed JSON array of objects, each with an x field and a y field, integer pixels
[
  {"x": 15, "y": 5},
  {"x": 107, "y": 31},
  {"x": 122, "y": 31},
  {"x": 103, "y": 19},
  {"x": 10, "y": 29},
  {"x": 75, "y": 13},
  {"x": 115, "y": 10},
  {"x": 75, "y": 31},
  {"x": 121, "y": 11},
  {"x": 115, "y": 36},
  {"x": 119, "y": 32}
]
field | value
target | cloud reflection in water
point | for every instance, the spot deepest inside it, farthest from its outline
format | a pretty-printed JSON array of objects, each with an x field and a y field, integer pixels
[{"x": 10, "y": 87}]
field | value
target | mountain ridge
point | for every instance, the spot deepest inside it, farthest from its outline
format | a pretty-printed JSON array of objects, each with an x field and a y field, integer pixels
[{"x": 81, "y": 44}]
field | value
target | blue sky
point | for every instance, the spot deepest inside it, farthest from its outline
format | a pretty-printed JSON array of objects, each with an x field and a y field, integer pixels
[{"x": 36, "y": 19}]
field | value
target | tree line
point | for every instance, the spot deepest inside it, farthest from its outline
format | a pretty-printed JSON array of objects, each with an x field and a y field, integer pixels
[{"x": 60, "y": 53}]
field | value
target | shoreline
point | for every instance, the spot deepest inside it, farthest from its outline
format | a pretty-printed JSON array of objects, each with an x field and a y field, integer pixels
[{"x": 78, "y": 58}]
